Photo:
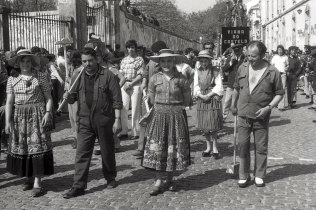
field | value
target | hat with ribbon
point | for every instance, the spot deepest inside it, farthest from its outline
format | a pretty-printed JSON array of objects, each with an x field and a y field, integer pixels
[
  {"x": 37, "y": 61},
  {"x": 167, "y": 53},
  {"x": 205, "y": 54}
]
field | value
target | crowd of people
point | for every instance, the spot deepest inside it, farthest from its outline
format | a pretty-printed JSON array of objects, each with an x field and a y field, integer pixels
[{"x": 102, "y": 86}]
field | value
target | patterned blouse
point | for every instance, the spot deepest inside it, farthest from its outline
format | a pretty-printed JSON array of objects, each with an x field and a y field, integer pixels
[
  {"x": 132, "y": 67},
  {"x": 28, "y": 94},
  {"x": 169, "y": 92}
]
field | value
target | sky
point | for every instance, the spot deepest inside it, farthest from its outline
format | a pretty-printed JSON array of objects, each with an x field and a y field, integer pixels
[{"x": 189, "y": 6}]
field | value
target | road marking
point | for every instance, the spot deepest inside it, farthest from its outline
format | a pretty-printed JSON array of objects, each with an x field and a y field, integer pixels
[
  {"x": 275, "y": 158},
  {"x": 308, "y": 160}
]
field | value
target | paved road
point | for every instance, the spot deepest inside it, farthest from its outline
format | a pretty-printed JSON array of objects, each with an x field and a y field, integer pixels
[{"x": 291, "y": 178}]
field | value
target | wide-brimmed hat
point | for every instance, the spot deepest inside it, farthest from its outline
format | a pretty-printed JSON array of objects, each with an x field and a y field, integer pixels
[
  {"x": 37, "y": 61},
  {"x": 205, "y": 54},
  {"x": 165, "y": 53}
]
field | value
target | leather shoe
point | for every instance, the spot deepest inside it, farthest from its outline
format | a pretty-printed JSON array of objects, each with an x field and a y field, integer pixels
[
  {"x": 37, "y": 192},
  {"x": 206, "y": 154},
  {"x": 134, "y": 137},
  {"x": 217, "y": 155},
  {"x": 156, "y": 190},
  {"x": 244, "y": 184},
  {"x": 259, "y": 182},
  {"x": 112, "y": 184},
  {"x": 74, "y": 192},
  {"x": 27, "y": 186}
]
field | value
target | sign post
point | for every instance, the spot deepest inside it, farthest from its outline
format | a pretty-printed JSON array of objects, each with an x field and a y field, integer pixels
[{"x": 234, "y": 35}]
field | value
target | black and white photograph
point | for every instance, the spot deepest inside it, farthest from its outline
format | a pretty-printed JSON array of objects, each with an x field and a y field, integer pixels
[{"x": 158, "y": 104}]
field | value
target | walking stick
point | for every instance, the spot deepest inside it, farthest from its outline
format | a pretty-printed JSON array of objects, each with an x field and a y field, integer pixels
[
  {"x": 70, "y": 89},
  {"x": 233, "y": 168}
]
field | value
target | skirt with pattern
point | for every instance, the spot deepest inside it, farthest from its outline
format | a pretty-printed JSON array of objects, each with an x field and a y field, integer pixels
[
  {"x": 30, "y": 148},
  {"x": 167, "y": 147},
  {"x": 209, "y": 115}
]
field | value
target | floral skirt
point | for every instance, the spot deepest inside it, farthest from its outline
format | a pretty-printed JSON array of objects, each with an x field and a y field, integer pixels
[
  {"x": 167, "y": 147},
  {"x": 30, "y": 148},
  {"x": 209, "y": 115}
]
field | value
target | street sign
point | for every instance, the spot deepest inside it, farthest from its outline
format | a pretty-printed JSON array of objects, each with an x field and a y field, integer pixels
[{"x": 236, "y": 35}]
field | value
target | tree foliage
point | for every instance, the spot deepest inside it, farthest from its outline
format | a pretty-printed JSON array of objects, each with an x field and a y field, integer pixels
[
  {"x": 205, "y": 24},
  {"x": 31, "y": 5}
]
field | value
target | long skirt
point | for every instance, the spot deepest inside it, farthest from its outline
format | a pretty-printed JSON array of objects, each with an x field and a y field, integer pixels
[
  {"x": 209, "y": 115},
  {"x": 167, "y": 147},
  {"x": 30, "y": 149}
]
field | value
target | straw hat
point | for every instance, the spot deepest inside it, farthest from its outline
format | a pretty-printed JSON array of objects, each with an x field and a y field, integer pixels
[
  {"x": 167, "y": 53},
  {"x": 205, "y": 54},
  {"x": 37, "y": 61}
]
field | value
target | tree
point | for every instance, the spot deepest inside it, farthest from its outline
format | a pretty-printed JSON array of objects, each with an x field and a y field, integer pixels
[{"x": 31, "y": 5}]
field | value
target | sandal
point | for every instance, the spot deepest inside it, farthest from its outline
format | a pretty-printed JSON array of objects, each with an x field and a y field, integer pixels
[{"x": 37, "y": 192}]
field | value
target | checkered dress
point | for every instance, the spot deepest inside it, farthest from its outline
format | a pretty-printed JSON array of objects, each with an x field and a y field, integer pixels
[
  {"x": 28, "y": 95},
  {"x": 131, "y": 67}
]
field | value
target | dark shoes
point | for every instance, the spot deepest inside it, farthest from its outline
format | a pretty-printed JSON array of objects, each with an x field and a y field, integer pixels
[
  {"x": 244, "y": 183},
  {"x": 217, "y": 156},
  {"x": 134, "y": 137},
  {"x": 27, "y": 186},
  {"x": 112, "y": 184},
  {"x": 74, "y": 192},
  {"x": 37, "y": 192},
  {"x": 206, "y": 154}
]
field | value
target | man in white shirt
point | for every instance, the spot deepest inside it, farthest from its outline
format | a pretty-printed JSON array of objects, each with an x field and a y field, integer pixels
[{"x": 281, "y": 62}]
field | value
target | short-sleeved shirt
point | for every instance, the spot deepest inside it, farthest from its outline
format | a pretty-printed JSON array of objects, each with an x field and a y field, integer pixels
[
  {"x": 31, "y": 94},
  {"x": 168, "y": 91},
  {"x": 132, "y": 67},
  {"x": 280, "y": 62},
  {"x": 269, "y": 85}
]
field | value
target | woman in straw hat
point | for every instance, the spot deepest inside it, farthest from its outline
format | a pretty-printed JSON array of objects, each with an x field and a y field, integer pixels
[
  {"x": 28, "y": 121},
  {"x": 167, "y": 146},
  {"x": 208, "y": 89}
]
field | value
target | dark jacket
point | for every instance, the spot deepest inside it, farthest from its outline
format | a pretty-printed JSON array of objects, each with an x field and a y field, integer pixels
[
  {"x": 106, "y": 95},
  {"x": 294, "y": 69},
  {"x": 268, "y": 86},
  {"x": 231, "y": 69}
]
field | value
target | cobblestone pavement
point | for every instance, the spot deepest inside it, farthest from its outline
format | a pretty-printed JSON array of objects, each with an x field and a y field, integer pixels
[{"x": 291, "y": 179}]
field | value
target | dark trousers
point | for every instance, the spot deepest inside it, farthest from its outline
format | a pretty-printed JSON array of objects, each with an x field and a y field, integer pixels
[
  {"x": 260, "y": 129},
  {"x": 291, "y": 82},
  {"x": 99, "y": 127},
  {"x": 55, "y": 84}
]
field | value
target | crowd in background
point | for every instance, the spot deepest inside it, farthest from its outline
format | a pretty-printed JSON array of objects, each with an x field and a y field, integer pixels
[{"x": 155, "y": 87}]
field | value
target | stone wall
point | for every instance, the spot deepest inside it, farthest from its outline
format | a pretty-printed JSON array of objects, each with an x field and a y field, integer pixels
[{"x": 146, "y": 34}]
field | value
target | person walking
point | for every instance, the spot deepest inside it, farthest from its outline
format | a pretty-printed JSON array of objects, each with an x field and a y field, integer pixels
[
  {"x": 208, "y": 88},
  {"x": 132, "y": 67},
  {"x": 257, "y": 90},
  {"x": 151, "y": 69},
  {"x": 230, "y": 68},
  {"x": 292, "y": 75},
  {"x": 167, "y": 147},
  {"x": 99, "y": 103},
  {"x": 281, "y": 62},
  {"x": 28, "y": 120}
]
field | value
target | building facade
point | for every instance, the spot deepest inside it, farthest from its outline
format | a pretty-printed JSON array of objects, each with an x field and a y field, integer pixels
[
  {"x": 254, "y": 19},
  {"x": 288, "y": 22}
]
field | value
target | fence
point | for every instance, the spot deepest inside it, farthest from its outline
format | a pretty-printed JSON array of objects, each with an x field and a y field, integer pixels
[
  {"x": 40, "y": 30},
  {"x": 96, "y": 20}
]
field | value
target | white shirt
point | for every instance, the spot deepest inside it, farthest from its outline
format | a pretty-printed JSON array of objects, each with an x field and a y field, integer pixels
[
  {"x": 254, "y": 77},
  {"x": 280, "y": 62}
]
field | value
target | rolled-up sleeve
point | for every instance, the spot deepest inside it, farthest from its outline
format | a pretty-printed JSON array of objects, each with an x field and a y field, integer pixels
[
  {"x": 218, "y": 88},
  {"x": 140, "y": 67},
  {"x": 116, "y": 93}
]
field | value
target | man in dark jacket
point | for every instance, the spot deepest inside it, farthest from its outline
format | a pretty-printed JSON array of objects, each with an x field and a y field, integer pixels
[
  {"x": 99, "y": 103},
  {"x": 230, "y": 68},
  {"x": 292, "y": 74}
]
